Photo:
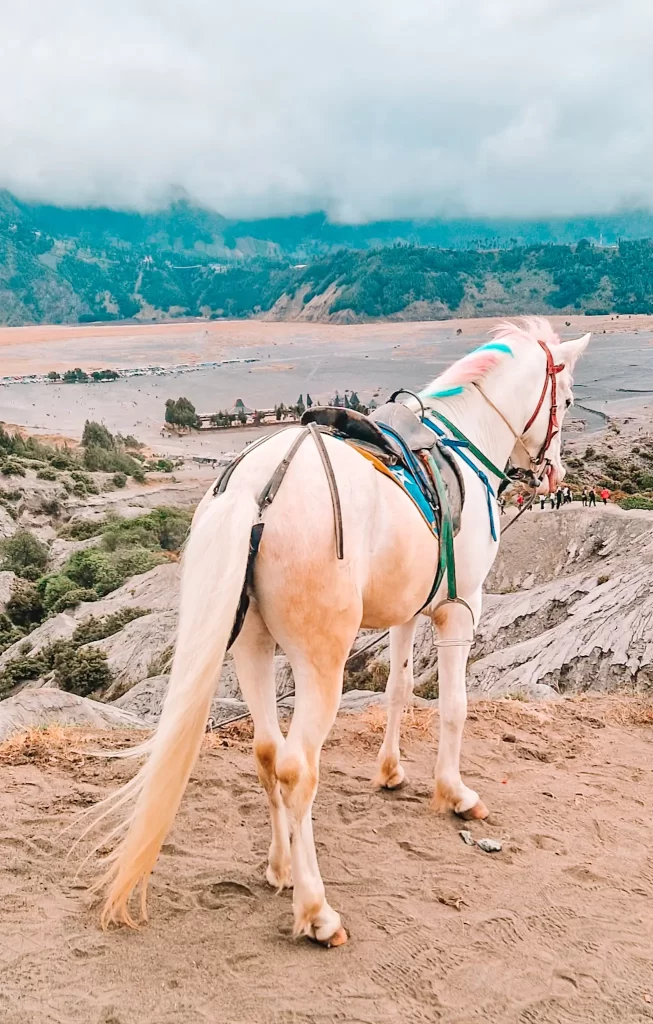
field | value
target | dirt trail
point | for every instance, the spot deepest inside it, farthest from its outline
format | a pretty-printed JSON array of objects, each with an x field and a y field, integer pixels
[{"x": 555, "y": 928}]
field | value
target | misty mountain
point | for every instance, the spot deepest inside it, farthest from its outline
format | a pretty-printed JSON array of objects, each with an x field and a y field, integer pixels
[{"x": 71, "y": 265}]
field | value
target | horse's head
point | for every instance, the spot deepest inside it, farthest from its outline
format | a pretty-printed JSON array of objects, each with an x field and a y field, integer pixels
[{"x": 538, "y": 449}]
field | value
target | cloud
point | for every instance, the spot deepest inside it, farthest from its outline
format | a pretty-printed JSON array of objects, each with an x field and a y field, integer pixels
[{"x": 365, "y": 108}]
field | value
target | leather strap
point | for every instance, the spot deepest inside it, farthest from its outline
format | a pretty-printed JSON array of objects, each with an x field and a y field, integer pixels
[
  {"x": 333, "y": 487},
  {"x": 552, "y": 369}
]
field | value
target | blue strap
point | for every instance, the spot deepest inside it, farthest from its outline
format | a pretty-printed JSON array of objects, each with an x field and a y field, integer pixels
[{"x": 457, "y": 447}]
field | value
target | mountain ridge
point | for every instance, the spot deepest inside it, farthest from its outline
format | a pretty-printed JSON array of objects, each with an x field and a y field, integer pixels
[{"x": 75, "y": 266}]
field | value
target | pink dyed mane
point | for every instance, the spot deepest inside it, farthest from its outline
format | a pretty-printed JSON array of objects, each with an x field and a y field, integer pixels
[{"x": 477, "y": 364}]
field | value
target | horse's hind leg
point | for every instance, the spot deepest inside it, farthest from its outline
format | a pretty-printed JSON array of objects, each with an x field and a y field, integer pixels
[
  {"x": 390, "y": 773},
  {"x": 318, "y": 691},
  {"x": 253, "y": 654}
]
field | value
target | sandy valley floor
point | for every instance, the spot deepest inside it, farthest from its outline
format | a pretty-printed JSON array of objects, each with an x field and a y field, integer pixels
[{"x": 556, "y": 928}]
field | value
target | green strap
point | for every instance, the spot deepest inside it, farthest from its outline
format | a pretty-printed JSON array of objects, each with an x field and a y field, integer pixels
[
  {"x": 458, "y": 434},
  {"x": 446, "y": 558}
]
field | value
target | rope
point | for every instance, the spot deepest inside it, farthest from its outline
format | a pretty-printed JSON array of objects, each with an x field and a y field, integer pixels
[{"x": 527, "y": 504}]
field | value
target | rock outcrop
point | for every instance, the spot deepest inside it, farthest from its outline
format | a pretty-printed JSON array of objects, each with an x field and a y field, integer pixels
[{"x": 38, "y": 708}]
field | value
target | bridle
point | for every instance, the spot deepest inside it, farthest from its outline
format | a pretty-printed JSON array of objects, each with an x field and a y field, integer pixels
[{"x": 538, "y": 462}]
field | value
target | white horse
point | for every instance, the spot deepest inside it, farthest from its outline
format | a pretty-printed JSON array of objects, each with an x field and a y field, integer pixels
[{"x": 509, "y": 397}]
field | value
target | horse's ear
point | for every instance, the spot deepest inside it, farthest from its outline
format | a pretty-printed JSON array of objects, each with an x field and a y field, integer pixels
[{"x": 571, "y": 351}]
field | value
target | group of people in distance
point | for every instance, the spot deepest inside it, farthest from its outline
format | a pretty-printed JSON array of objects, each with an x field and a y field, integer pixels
[{"x": 562, "y": 496}]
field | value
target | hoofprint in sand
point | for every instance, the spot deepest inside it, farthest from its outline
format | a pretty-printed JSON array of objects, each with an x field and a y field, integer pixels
[{"x": 555, "y": 928}]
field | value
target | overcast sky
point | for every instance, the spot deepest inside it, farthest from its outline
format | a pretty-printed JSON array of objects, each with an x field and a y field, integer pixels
[{"x": 367, "y": 109}]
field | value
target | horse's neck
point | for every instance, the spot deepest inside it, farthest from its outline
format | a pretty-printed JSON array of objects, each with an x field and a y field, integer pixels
[{"x": 474, "y": 415}]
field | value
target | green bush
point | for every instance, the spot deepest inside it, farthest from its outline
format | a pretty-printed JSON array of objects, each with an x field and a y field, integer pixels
[
  {"x": 81, "y": 671},
  {"x": 636, "y": 501},
  {"x": 96, "y": 434},
  {"x": 9, "y": 632},
  {"x": 82, "y": 529},
  {"x": 25, "y": 606},
  {"x": 93, "y": 629},
  {"x": 53, "y": 586},
  {"x": 23, "y": 552},
  {"x": 119, "y": 480},
  {"x": 71, "y": 598},
  {"x": 165, "y": 528},
  {"x": 135, "y": 561},
  {"x": 93, "y": 570},
  {"x": 161, "y": 465},
  {"x": 11, "y": 467},
  {"x": 47, "y": 473}
]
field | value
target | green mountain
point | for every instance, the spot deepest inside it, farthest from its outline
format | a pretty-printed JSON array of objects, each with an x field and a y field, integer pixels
[{"x": 60, "y": 266}]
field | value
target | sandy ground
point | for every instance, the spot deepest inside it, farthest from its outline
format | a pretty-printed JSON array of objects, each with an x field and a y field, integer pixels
[
  {"x": 616, "y": 376},
  {"x": 36, "y": 349},
  {"x": 556, "y": 928}
]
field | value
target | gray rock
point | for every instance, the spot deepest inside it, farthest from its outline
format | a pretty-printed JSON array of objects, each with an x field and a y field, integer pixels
[
  {"x": 37, "y": 708},
  {"x": 7, "y": 581},
  {"x": 466, "y": 837},
  {"x": 8, "y": 525},
  {"x": 489, "y": 845},
  {"x": 61, "y": 550}
]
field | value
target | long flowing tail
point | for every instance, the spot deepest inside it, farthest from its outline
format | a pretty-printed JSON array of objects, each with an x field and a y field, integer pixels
[{"x": 213, "y": 573}]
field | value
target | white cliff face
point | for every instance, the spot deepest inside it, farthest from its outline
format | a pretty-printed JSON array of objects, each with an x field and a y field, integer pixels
[{"x": 569, "y": 608}]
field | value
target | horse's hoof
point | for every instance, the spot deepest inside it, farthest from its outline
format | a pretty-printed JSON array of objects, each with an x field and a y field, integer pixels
[
  {"x": 278, "y": 880},
  {"x": 476, "y": 813},
  {"x": 337, "y": 939},
  {"x": 395, "y": 779}
]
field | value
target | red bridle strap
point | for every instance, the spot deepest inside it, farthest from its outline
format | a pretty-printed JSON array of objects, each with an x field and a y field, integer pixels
[{"x": 552, "y": 369}]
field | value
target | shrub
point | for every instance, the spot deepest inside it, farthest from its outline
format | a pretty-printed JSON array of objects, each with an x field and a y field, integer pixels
[
  {"x": 119, "y": 479},
  {"x": 18, "y": 669},
  {"x": 25, "y": 606},
  {"x": 97, "y": 459},
  {"x": 53, "y": 586},
  {"x": 94, "y": 570},
  {"x": 47, "y": 473},
  {"x": 96, "y": 434},
  {"x": 82, "y": 529},
  {"x": 23, "y": 552},
  {"x": 71, "y": 598},
  {"x": 161, "y": 465},
  {"x": 81, "y": 671},
  {"x": 165, "y": 528},
  {"x": 135, "y": 561},
  {"x": 15, "y": 495},
  {"x": 99, "y": 629},
  {"x": 11, "y": 467},
  {"x": 9, "y": 632},
  {"x": 51, "y": 507},
  {"x": 636, "y": 501}
]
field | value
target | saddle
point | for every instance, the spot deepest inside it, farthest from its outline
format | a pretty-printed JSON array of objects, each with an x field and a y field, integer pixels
[{"x": 398, "y": 448}]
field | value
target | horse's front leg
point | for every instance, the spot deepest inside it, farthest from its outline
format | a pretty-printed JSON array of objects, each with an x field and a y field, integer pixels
[
  {"x": 390, "y": 773},
  {"x": 454, "y": 630}
]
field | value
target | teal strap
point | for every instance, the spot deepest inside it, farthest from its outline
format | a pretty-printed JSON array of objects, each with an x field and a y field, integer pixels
[
  {"x": 447, "y": 560},
  {"x": 470, "y": 447}
]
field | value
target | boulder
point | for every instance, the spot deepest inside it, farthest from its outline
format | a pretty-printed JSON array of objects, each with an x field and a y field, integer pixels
[
  {"x": 7, "y": 581},
  {"x": 61, "y": 550},
  {"x": 39, "y": 708},
  {"x": 8, "y": 525},
  {"x": 133, "y": 651}
]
